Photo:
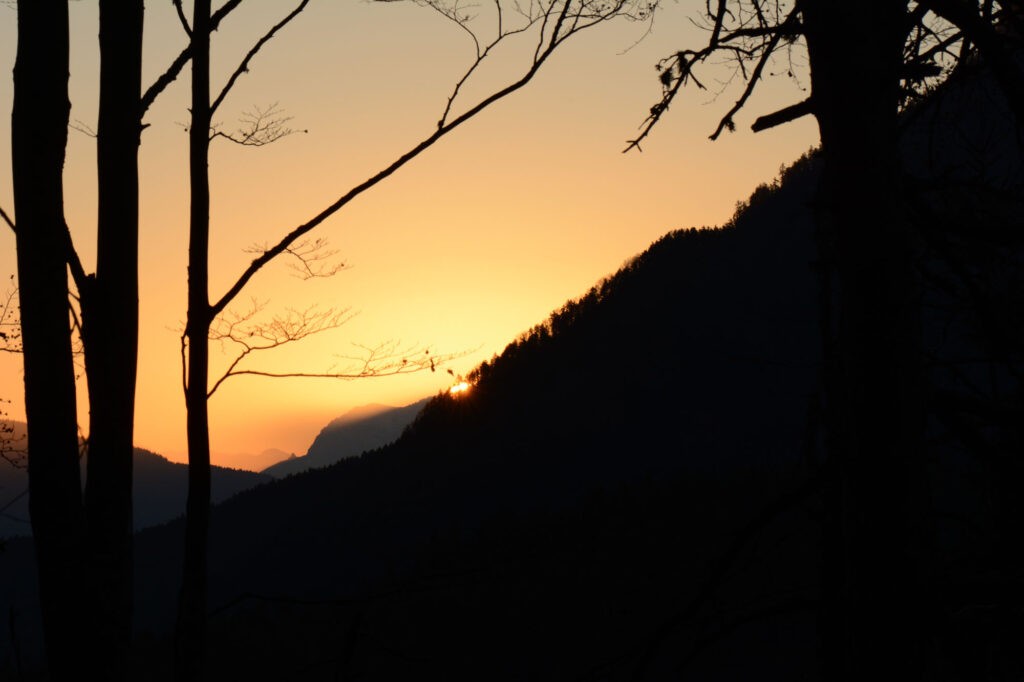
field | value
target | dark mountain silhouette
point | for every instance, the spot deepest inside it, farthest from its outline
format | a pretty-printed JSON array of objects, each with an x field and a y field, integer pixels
[
  {"x": 631, "y": 490},
  {"x": 255, "y": 462},
  {"x": 606, "y": 452},
  {"x": 353, "y": 433},
  {"x": 160, "y": 487}
]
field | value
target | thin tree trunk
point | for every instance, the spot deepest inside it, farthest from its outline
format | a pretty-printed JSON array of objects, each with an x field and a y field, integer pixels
[
  {"x": 190, "y": 640},
  {"x": 877, "y": 389},
  {"x": 110, "y": 330},
  {"x": 39, "y": 136}
]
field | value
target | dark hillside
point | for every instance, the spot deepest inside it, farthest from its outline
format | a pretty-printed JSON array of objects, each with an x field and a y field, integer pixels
[
  {"x": 674, "y": 388},
  {"x": 630, "y": 490},
  {"x": 159, "y": 490},
  {"x": 627, "y": 491}
]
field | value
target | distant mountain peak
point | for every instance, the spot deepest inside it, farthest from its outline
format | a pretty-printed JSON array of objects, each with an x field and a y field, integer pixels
[{"x": 360, "y": 429}]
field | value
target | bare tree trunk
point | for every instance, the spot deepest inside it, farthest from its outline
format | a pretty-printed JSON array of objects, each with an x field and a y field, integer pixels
[
  {"x": 877, "y": 390},
  {"x": 39, "y": 136},
  {"x": 190, "y": 637},
  {"x": 110, "y": 330}
]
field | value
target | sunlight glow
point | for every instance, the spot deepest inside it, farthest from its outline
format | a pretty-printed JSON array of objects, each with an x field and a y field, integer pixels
[{"x": 458, "y": 388}]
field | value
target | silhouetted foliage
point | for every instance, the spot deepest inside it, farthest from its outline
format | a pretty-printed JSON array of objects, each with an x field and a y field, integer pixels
[{"x": 866, "y": 62}]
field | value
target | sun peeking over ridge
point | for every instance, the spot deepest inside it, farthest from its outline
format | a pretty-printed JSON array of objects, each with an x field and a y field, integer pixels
[{"x": 460, "y": 386}]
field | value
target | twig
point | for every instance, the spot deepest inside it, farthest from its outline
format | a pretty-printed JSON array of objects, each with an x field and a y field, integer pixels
[
  {"x": 7, "y": 219},
  {"x": 170, "y": 74},
  {"x": 300, "y": 231},
  {"x": 243, "y": 67}
]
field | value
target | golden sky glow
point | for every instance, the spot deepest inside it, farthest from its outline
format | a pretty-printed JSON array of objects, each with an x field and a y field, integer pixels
[{"x": 523, "y": 208}]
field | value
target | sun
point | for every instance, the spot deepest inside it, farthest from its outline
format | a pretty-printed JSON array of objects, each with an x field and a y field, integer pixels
[{"x": 458, "y": 388}]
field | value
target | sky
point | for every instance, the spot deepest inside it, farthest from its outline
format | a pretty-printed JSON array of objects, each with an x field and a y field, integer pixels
[{"x": 523, "y": 208}]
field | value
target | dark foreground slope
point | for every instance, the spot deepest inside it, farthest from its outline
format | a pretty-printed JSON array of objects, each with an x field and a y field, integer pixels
[
  {"x": 629, "y": 491},
  {"x": 549, "y": 518},
  {"x": 159, "y": 490}
]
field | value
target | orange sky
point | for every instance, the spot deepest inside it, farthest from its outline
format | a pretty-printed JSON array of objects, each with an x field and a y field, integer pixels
[{"x": 474, "y": 242}]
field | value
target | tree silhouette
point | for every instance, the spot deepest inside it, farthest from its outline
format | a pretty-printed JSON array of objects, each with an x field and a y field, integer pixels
[
  {"x": 867, "y": 61},
  {"x": 548, "y": 24},
  {"x": 109, "y": 300},
  {"x": 39, "y": 133},
  {"x": 81, "y": 541}
]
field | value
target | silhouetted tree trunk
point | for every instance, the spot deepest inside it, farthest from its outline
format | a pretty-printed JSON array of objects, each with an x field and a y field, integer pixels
[
  {"x": 559, "y": 22},
  {"x": 39, "y": 136},
  {"x": 876, "y": 392},
  {"x": 190, "y": 635},
  {"x": 110, "y": 313}
]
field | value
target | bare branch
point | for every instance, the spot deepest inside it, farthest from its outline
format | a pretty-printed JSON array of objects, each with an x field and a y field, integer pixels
[
  {"x": 7, "y": 219},
  {"x": 243, "y": 67},
  {"x": 172, "y": 71},
  {"x": 10, "y": 326},
  {"x": 784, "y": 115},
  {"x": 84, "y": 128},
  {"x": 773, "y": 42},
  {"x": 481, "y": 53},
  {"x": 184, "y": 363},
  {"x": 74, "y": 262},
  {"x": 259, "y": 127},
  {"x": 752, "y": 35},
  {"x": 590, "y": 13},
  {"x": 249, "y": 336},
  {"x": 385, "y": 359},
  {"x": 181, "y": 17},
  {"x": 310, "y": 256}
]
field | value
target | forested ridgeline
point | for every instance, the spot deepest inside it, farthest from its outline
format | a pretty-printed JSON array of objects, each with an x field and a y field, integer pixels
[{"x": 632, "y": 489}]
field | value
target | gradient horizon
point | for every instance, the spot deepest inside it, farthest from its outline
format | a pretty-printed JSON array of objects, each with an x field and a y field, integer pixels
[{"x": 476, "y": 241}]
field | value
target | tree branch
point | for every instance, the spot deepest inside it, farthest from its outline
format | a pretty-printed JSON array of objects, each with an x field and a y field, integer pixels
[
  {"x": 8, "y": 318},
  {"x": 301, "y": 230},
  {"x": 784, "y": 115},
  {"x": 172, "y": 71},
  {"x": 7, "y": 219},
  {"x": 773, "y": 42},
  {"x": 243, "y": 67},
  {"x": 755, "y": 35},
  {"x": 253, "y": 337},
  {"x": 992, "y": 46},
  {"x": 74, "y": 262},
  {"x": 481, "y": 53},
  {"x": 181, "y": 17},
  {"x": 385, "y": 359},
  {"x": 262, "y": 127}
]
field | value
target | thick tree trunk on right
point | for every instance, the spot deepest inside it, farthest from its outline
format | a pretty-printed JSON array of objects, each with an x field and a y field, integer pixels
[
  {"x": 39, "y": 136},
  {"x": 190, "y": 635},
  {"x": 875, "y": 628}
]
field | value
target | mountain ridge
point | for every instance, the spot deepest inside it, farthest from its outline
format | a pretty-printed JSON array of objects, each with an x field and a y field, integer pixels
[
  {"x": 631, "y": 485},
  {"x": 159, "y": 488},
  {"x": 363, "y": 428}
]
